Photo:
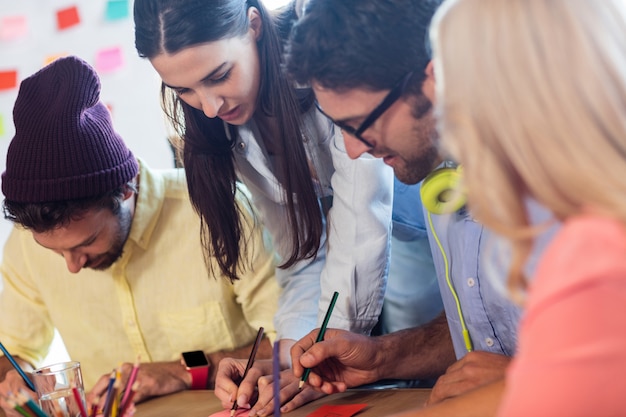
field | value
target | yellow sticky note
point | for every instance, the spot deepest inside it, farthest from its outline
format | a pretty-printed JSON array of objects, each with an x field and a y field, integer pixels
[
  {"x": 2, "y": 130},
  {"x": 49, "y": 58}
]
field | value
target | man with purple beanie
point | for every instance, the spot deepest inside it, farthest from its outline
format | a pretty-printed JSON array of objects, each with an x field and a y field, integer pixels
[{"x": 107, "y": 251}]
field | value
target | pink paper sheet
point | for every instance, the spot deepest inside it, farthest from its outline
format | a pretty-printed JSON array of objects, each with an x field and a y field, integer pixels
[{"x": 241, "y": 412}]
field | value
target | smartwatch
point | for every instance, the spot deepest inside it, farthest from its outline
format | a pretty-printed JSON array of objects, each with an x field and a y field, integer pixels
[{"x": 198, "y": 366}]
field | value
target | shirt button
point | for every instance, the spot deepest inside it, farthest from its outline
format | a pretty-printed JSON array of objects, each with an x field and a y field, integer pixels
[
  {"x": 131, "y": 323},
  {"x": 471, "y": 282},
  {"x": 241, "y": 146},
  {"x": 489, "y": 341}
]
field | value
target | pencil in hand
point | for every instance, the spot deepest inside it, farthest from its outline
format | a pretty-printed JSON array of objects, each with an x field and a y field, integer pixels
[
  {"x": 320, "y": 335},
  {"x": 17, "y": 367},
  {"x": 255, "y": 347}
]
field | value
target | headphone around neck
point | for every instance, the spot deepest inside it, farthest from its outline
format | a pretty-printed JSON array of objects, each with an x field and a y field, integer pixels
[
  {"x": 440, "y": 191},
  {"x": 441, "y": 195}
]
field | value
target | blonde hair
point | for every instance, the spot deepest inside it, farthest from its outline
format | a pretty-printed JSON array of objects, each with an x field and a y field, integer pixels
[{"x": 532, "y": 102}]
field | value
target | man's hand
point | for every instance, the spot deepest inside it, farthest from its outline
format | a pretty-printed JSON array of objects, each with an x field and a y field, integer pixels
[
  {"x": 13, "y": 382},
  {"x": 154, "y": 379},
  {"x": 473, "y": 370},
  {"x": 342, "y": 360}
]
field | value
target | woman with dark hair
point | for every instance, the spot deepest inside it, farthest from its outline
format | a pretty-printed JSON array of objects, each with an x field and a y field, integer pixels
[{"x": 241, "y": 119}]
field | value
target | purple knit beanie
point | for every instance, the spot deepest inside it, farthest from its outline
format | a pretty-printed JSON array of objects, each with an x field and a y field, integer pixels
[{"x": 64, "y": 146}]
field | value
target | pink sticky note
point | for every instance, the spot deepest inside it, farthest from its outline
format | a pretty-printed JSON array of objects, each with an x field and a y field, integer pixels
[
  {"x": 337, "y": 410},
  {"x": 67, "y": 17},
  {"x": 13, "y": 27},
  {"x": 241, "y": 412},
  {"x": 108, "y": 60}
]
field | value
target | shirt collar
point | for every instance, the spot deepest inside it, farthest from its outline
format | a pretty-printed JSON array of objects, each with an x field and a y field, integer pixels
[{"x": 150, "y": 198}]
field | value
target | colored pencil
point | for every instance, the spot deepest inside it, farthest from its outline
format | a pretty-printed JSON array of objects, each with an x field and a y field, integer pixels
[
  {"x": 255, "y": 347},
  {"x": 13, "y": 404},
  {"x": 276, "y": 375},
  {"x": 17, "y": 368},
  {"x": 115, "y": 407},
  {"x": 108, "y": 402},
  {"x": 320, "y": 335},
  {"x": 79, "y": 401},
  {"x": 29, "y": 403},
  {"x": 94, "y": 407},
  {"x": 130, "y": 382},
  {"x": 129, "y": 400}
]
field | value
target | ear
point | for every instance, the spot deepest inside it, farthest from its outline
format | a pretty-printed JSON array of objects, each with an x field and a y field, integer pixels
[
  {"x": 428, "y": 86},
  {"x": 128, "y": 192},
  {"x": 430, "y": 70},
  {"x": 256, "y": 23}
]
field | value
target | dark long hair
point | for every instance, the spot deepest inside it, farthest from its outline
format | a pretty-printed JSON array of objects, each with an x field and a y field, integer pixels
[{"x": 168, "y": 26}]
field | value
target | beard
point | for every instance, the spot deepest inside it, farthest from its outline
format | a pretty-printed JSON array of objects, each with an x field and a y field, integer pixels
[
  {"x": 105, "y": 260},
  {"x": 416, "y": 166},
  {"x": 414, "y": 170}
]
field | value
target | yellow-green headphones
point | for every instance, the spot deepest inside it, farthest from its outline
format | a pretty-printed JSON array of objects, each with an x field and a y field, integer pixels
[
  {"x": 440, "y": 191},
  {"x": 441, "y": 194}
]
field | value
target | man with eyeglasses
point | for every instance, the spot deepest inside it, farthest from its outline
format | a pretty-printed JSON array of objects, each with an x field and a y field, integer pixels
[{"x": 369, "y": 64}]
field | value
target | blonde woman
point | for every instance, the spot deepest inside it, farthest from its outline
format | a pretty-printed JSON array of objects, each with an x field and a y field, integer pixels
[{"x": 532, "y": 99}]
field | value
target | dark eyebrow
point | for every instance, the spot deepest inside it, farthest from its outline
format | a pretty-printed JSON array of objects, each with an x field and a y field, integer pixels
[
  {"x": 350, "y": 119},
  {"x": 207, "y": 77},
  {"x": 85, "y": 242}
]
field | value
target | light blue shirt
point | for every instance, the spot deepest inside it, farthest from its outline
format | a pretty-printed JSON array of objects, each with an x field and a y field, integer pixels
[
  {"x": 478, "y": 280},
  {"x": 412, "y": 297}
]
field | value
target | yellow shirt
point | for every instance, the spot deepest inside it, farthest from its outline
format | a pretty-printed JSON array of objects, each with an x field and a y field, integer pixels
[{"x": 156, "y": 301}]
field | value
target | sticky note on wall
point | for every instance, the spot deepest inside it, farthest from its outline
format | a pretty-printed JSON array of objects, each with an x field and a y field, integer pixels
[
  {"x": 116, "y": 10},
  {"x": 49, "y": 58},
  {"x": 13, "y": 27},
  {"x": 8, "y": 80},
  {"x": 68, "y": 17},
  {"x": 109, "y": 59},
  {"x": 2, "y": 129}
]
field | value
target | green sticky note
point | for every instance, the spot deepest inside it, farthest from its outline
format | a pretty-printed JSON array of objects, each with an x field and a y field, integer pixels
[{"x": 116, "y": 9}]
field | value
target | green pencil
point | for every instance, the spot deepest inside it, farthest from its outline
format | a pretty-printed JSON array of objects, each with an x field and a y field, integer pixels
[{"x": 320, "y": 335}]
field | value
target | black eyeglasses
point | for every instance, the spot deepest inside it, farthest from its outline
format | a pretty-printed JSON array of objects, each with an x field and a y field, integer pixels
[{"x": 393, "y": 95}]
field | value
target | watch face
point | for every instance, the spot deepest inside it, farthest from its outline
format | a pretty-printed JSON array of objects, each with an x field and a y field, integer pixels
[{"x": 195, "y": 358}]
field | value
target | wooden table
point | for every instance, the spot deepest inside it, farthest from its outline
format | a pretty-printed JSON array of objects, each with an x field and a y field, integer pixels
[{"x": 380, "y": 402}]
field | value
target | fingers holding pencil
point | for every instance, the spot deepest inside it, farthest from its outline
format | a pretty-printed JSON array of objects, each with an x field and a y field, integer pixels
[
  {"x": 12, "y": 383},
  {"x": 27, "y": 380},
  {"x": 255, "y": 348},
  {"x": 229, "y": 384},
  {"x": 320, "y": 334}
]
